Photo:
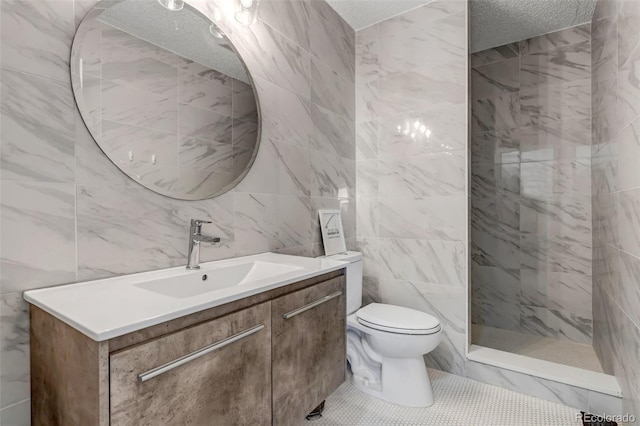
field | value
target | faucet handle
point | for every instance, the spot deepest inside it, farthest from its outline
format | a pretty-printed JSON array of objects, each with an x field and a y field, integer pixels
[{"x": 199, "y": 222}]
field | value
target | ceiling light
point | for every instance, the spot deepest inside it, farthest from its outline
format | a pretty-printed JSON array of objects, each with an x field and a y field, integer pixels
[{"x": 172, "y": 4}]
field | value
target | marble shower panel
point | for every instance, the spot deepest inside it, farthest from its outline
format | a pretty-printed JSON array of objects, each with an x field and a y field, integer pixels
[{"x": 531, "y": 223}]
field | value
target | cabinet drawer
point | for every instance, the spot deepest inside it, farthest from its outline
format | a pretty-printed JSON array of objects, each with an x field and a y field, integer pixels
[
  {"x": 308, "y": 349},
  {"x": 215, "y": 373}
]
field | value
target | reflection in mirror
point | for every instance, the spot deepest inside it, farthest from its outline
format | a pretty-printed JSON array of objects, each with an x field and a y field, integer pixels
[{"x": 166, "y": 97}]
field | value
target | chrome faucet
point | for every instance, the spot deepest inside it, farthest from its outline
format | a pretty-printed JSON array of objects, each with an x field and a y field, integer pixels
[{"x": 195, "y": 238}]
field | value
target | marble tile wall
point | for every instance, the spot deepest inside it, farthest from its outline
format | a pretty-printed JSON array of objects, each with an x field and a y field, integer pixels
[
  {"x": 411, "y": 167},
  {"x": 615, "y": 60},
  {"x": 67, "y": 214},
  {"x": 531, "y": 185}
]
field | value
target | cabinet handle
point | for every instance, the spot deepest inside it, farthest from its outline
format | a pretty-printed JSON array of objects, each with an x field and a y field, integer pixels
[
  {"x": 311, "y": 305},
  {"x": 197, "y": 354}
]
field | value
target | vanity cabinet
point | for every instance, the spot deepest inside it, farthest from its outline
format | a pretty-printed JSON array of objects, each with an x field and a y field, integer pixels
[
  {"x": 269, "y": 358},
  {"x": 308, "y": 349},
  {"x": 218, "y": 372}
]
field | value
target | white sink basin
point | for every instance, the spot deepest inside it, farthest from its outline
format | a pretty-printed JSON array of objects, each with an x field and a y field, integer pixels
[
  {"x": 107, "y": 308},
  {"x": 210, "y": 278}
]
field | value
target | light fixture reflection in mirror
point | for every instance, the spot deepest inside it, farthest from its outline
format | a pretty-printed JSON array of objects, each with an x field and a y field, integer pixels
[
  {"x": 247, "y": 11},
  {"x": 172, "y": 4}
]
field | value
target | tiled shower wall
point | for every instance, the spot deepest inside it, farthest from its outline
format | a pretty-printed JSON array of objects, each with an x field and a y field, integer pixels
[
  {"x": 531, "y": 185},
  {"x": 411, "y": 152},
  {"x": 616, "y": 194},
  {"x": 68, "y": 214}
]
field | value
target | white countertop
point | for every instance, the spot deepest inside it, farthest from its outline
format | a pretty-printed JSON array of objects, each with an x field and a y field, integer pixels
[{"x": 108, "y": 308}]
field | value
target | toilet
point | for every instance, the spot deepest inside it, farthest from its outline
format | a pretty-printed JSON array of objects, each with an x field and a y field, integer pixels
[{"x": 386, "y": 344}]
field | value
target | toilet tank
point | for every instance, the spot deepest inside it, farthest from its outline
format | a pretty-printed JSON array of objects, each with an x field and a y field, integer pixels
[{"x": 353, "y": 278}]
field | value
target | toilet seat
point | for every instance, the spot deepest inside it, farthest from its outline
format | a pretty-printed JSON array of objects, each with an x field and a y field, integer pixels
[{"x": 397, "y": 319}]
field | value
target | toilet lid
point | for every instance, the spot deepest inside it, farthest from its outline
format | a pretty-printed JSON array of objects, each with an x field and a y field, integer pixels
[{"x": 397, "y": 319}]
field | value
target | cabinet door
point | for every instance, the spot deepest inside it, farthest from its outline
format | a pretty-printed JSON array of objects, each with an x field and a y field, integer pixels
[
  {"x": 214, "y": 373},
  {"x": 308, "y": 349}
]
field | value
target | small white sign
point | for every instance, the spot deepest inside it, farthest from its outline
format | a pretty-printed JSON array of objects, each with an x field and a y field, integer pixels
[{"x": 332, "y": 233}]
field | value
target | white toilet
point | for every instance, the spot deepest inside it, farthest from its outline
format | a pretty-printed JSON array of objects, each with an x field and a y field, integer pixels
[{"x": 386, "y": 344}]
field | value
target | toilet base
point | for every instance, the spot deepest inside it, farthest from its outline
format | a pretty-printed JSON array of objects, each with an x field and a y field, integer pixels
[{"x": 404, "y": 382}]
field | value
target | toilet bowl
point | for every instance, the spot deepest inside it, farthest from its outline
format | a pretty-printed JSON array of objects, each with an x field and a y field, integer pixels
[{"x": 386, "y": 344}]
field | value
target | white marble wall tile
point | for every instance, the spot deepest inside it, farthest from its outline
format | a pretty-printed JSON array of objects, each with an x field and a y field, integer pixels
[
  {"x": 332, "y": 47},
  {"x": 93, "y": 168},
  {"x": 332, "y": 90},
  {"x": 446, "y": 126},
  {"x": 422, "y": 90},
  {"x": 291, "y": 18},
  {"x": 498, "y": 113},
  {"x": 332, "y": 176},
  {"x": 491, "y": 209},
  {"x": 546, "y": 178},
  {"x": 289, "y": 170},
  {"x": 433, "y": 218},
  {"x": 367, "y": 54},
  {"x": 557, "y": 290},
  {"x": 555, "y": 140},
  {"x": 442, "y": 38},
  {"x": 496, "y": 147},
  {"x": 366, "y": 140},
  {"x": 286, "y": 116},
  {"x": 628, "y": 104},
  {"x": 367, "y": 103},
  {"x": 203, "y": 92},
  {"x": 36, "y": 139},
  {"x": 556, "y": 323},
  {"x": 628, "y": 23},
  {"x": 118, "y": 140},
  {"x": 561, "y": 65},
  {"x": 495, "y": 79},
  {"x": 244, "y": 104},
  {"x": 370, "y": 249},
  {"x": 604, "y": 50},
  {"x": 266, "y": 222},
  {"x": 46, "y": 29},
  {"x": 205, "y": 157},
  {"x": 17, "y": 415},
  {"x": 627, "y": 293},
  {"x": 116, "y": 45},
  {"x": 495, "y": 54},
  {"x": 273, "y": 57},
  {"x": 14, "y": 349},
  {"x": 330, "y": 15},
  {"x": 495, "y": 179},
  {"x": 139, "y": 108},
  {"x": 43, "y": 213},
  {"x": 540, "y": 388},
  {"x": 628, "y": 152},
  {"x": 492, "y": 313},
  {"x": 334, "y": 133},
  {"x": 567, "y": 101},
  {"x": 367, "y": 176},
  {"x": 556, "y": 39},
  {"x": 435, "y": 262},
  {"x": 541, "y": 252},
  {"x": 628, "y": 217},
  {"x": 605, "y": 119},
  {"x": 124, "y": 230},
  {"x": 423, "y": 176},
  {"x": 495, "y": 245},
  {"x": 566, "y": 217},
  {"x": 368, "y": 217},
  {"x": 492, "y": 283},
  {"x": 204, "y": 124}
]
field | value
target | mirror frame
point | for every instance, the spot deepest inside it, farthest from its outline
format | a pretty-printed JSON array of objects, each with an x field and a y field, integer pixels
[{"x": 78, "y": 102}]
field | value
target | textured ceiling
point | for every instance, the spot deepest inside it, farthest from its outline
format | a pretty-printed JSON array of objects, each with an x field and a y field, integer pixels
[
  {"x": 185, "y": 32},
  {"x": 493, "y": 22}
]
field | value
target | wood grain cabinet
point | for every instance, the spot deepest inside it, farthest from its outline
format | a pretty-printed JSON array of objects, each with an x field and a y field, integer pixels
[
  {"x": 266, "y": 359},
  {"x": 308, "y": 349}
]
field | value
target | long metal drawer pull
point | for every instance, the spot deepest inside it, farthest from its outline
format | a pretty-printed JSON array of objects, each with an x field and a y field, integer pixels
[
  {"x": 197, "y": 354},
  {"x": 312, "y": 305}
]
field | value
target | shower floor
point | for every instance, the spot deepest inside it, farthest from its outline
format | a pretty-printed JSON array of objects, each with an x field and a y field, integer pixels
[{"x": 544, "y": 348}]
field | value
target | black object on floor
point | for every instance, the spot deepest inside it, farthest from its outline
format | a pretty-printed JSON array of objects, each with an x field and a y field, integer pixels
[
  {"x": 316, "y": 413},
  {"x": 595, "y": 420}
]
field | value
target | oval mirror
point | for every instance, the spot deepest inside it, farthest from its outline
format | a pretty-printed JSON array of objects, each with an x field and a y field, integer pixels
[{"x": 166, "y": 96}]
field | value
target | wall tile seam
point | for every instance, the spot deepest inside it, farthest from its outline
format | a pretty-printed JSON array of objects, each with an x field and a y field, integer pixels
[
  {"x": 563, "y": 47},
  {"x": 633, "y": 52},
  {"x": 615, "y": 302},
  {"x": 4, "y": 67}
]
